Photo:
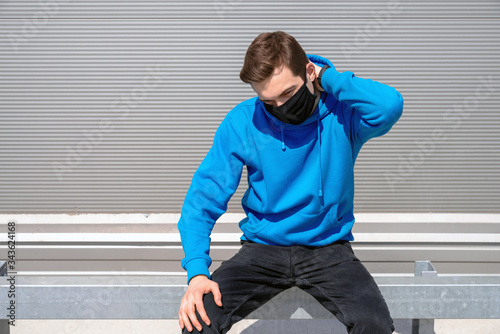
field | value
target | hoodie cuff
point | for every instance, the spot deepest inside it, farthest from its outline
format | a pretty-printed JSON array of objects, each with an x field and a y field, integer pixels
[{"x": 197, "y": 267}]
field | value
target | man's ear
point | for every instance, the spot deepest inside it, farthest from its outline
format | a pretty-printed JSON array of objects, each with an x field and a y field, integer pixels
[{"x": 311, "y": 72}]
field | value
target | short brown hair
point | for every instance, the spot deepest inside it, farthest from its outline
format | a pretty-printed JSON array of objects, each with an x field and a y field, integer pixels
[{"x": 270, "y": 51}]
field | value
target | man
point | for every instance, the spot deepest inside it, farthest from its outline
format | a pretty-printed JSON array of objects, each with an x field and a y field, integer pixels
[{"x": 299, "y": 140}]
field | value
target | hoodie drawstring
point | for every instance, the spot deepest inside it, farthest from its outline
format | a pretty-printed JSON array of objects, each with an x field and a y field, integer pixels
[
  {"x": 320, "y": 162},
  {"x": 283, "y": 147}
]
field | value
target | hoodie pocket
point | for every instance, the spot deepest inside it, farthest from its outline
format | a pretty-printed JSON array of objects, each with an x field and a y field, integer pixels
[
  {"x": 251, "y": 228},
  {"x": 333, "y": 221},
  {"x": 298, "y": 228}
]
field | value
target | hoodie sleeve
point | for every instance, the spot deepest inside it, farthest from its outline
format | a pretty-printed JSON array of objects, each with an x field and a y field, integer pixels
[
  {"x": 212, "y": 186},
  {"x": 374, "y": 107}
]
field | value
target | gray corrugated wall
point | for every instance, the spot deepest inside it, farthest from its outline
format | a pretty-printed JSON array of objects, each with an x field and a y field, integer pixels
[{"x": 109, "y": 106}]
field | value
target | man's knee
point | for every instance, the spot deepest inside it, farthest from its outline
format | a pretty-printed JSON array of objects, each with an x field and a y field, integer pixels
[
  {"x": 214, "y": 313},
  {"x": 212, "y": 329}
]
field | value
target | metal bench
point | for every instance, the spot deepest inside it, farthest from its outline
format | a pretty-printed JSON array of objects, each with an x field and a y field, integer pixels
[{"x": 127, "y": 267}]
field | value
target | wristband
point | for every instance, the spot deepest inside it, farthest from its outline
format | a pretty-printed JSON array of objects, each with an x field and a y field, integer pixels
[{"x": 323, "y": 69}]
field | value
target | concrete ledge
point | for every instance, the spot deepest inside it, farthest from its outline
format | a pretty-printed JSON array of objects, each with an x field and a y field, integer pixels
[{"x": 384, "y": 242}]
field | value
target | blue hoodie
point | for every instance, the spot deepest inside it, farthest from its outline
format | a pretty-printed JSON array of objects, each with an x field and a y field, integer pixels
[{"x": 300, "y": 177}]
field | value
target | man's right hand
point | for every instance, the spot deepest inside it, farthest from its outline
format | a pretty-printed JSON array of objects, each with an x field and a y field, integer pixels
[{"x": 193, "y": 300}]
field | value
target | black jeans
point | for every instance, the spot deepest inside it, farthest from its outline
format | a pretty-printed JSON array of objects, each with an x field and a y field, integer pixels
[{"x": 332, "y": 274}]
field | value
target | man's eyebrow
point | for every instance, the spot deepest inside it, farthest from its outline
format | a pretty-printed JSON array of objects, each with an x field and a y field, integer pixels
[{"x": 292, "y": 87}]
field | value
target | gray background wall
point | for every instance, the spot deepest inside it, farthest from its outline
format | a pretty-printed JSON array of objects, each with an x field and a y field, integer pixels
[{"x": 109, "y": 106}]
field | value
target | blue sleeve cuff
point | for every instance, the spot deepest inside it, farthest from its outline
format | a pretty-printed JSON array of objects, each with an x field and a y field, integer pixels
[{"x": 197, "y": 267}]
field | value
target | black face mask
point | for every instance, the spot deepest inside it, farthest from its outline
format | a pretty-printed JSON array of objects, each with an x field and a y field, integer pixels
[{"x": 297, "y": 109}]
